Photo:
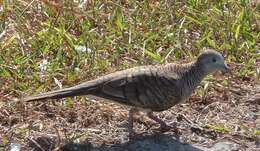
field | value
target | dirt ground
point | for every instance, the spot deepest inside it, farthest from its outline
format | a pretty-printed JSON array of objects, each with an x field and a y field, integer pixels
[
  {"x": 222, "y": 114},
  {"x": 226, "y": 112}
]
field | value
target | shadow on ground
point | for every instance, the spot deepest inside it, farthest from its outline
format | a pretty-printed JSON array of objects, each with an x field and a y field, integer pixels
[{"x": 156, "y": 142}]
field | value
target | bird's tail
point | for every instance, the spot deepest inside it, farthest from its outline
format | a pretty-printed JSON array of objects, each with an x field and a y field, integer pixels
[{"x": 67, "y": 92}]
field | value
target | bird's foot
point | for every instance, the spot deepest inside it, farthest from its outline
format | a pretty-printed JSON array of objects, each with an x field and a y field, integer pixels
[
  {"x": 133, "y": 135},
  {"x": 165, "y": 128}
]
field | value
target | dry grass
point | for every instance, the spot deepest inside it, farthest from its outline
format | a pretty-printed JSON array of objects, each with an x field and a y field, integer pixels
[{"x": 46, "y": 40}]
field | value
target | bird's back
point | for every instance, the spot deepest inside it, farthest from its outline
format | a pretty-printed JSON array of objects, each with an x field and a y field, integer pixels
[
  {"x": 149, "y": 87},
  {"x": 155, "y": 88}
]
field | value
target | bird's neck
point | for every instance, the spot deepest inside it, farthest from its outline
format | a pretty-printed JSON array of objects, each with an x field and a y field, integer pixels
[{"x": 193, "y": 75}]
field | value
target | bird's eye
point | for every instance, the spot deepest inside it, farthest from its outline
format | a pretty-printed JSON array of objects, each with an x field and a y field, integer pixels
[{"x": 214, "y": 60}]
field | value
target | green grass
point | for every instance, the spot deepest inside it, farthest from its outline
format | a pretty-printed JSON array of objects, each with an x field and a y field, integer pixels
[
  {"x": 218, "y": 128},
  {"x": 44, "y": 45},
  {"x": 118, "y": 35}
]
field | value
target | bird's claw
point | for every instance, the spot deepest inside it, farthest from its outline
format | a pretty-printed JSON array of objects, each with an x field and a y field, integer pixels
[
  {"x": 165, "y": 128},
  {"x": 134, "y": 135}
]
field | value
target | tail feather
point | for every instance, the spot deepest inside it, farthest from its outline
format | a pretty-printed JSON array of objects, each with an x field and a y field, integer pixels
[{"x": 67, "y": 92}]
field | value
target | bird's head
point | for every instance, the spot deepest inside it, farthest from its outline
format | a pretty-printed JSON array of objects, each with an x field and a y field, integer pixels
[{"x": 210, "y": 61}]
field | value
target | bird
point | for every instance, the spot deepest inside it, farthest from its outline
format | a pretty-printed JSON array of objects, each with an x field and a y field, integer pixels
[{"x": 147, "y": 88}]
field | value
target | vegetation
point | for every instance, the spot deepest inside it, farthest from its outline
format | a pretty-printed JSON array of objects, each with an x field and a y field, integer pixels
[{"x": 49, "y": 44}]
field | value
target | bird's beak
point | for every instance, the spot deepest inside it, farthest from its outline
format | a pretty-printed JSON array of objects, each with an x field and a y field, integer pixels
[{"x": 226, "y": 69}]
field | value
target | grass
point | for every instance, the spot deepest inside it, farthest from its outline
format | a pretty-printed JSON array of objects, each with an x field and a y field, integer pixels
[
  {"x": 218, "y": 128},
  {"x": 47, "y": 44},
  {"x": 118, "y": 35}
]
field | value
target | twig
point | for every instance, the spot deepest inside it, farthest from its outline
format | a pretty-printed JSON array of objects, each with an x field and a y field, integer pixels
[
  {"x": 181, "y": 116},
  {"x": 27, "y": 7},
  {"x": 206, "y": 107},
  {"x": 58, "y": 134}
]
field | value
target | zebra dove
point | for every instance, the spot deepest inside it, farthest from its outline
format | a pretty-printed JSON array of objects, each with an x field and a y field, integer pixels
[{"x": 147, "y": 88}]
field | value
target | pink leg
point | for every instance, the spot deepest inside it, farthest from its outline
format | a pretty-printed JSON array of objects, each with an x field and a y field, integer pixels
[{"x": 163, "y": 125}]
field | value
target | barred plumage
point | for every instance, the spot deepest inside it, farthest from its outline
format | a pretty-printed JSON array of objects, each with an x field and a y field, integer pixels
[{"x": 152, "y": 88}]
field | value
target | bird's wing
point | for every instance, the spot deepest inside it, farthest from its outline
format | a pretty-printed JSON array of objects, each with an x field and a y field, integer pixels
[
  {"x": 143, "y": 88},
  {"x": 121, "y": 87}
]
